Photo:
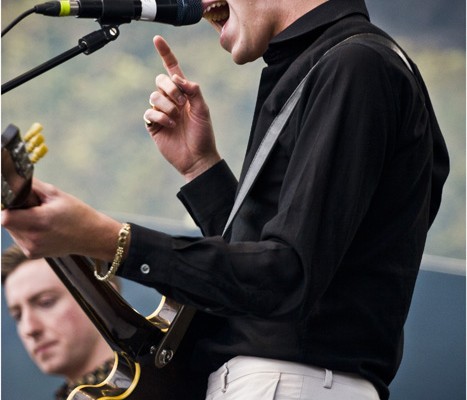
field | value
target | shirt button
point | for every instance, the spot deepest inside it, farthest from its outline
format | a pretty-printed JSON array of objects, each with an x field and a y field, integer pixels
[{"x": 145, "y": 269}]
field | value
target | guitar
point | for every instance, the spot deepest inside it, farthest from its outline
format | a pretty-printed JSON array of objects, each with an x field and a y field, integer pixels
[{"x": 144, "y": 347}]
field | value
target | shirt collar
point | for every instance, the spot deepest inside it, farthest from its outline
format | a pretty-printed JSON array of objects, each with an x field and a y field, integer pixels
[{"x": 311, "y": 24}]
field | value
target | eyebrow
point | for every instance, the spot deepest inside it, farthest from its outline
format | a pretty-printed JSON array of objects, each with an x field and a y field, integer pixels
[{"x": 34, "y": 298}]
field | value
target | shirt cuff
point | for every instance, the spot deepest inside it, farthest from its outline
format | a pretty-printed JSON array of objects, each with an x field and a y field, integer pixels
[
  {"x": 210, "y": 194},
  {"x": 149, "y": 255}
]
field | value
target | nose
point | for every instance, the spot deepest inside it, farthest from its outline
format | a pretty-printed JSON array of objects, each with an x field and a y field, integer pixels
[{"x": 30, "y": 324}]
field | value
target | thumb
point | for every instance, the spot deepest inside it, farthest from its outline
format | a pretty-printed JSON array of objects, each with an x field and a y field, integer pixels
[{"x": 43, "y": 190}]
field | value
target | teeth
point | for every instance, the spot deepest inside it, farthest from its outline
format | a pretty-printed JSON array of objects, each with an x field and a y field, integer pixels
[
  {"x": 217, "y": 11},
  {"x": 212, "y": 6}
]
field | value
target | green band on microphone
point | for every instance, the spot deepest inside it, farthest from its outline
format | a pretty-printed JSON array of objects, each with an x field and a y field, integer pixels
[{"x": 65, "y": 8}]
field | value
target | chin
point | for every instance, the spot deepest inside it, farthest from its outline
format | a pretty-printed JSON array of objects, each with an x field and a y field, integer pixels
[
  {"x": 245, "y": 52},
  {"x": 50, "y": 368},
  {"x": 241, "y": 59}
]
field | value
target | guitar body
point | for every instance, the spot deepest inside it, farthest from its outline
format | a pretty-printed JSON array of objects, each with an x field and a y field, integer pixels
[
  {"x": 145, "y": 366},
  {"x": 132, "y": 381},
  {"x": 120, "y": 383}
]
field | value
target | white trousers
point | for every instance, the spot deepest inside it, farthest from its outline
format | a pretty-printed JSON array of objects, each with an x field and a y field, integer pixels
[{"x": 252, "y": 378}]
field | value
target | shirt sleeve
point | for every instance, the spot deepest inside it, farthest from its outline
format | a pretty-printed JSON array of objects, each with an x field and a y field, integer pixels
[
  {"x": 210, "y": 197},
  {"x": 344, "y": 136}
]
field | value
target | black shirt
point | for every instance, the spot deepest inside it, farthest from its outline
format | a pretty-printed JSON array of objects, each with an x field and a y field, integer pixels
[{"x": 320, "y": 263}]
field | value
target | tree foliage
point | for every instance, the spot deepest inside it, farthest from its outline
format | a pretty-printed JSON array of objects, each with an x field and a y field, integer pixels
[{"x": 92, "y": 107}]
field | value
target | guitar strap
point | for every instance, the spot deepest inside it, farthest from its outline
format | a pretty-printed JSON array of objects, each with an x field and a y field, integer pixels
[{"x": 281, "y": 119}]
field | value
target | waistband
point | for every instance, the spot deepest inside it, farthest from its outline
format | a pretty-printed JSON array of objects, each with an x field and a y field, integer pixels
[{"x": 241, "y": 366}]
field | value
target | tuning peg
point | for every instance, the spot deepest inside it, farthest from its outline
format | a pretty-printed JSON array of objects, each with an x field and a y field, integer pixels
[
  {"x": 38, "y": 152},
  {"x": 34, "y": 130},
  {"x": 34, "y": 142}
]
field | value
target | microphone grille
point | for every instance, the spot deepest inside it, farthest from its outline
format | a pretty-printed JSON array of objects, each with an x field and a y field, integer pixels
[{"x": 189, "y": 12}]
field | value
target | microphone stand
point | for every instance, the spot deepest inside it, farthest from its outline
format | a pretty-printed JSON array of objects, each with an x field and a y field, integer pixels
[{"x": 87, "y": 45}]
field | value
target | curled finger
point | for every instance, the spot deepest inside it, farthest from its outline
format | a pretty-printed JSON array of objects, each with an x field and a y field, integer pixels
[
  {"x": 151, "y": 126},
  {"x": 156, "y": 120},
  {"x": 170, "y": 89}
]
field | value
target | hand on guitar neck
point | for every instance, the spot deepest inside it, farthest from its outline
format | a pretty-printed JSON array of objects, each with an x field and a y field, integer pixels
[
  {"x": 47, "y": 222},
  {"x": 61, "y": 224}
]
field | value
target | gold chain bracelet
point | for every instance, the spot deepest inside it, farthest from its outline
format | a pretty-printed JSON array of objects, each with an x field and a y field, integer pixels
[{"x": 121, "y": 242}]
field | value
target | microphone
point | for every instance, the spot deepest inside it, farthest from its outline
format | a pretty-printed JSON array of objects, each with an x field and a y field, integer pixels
[{"x": 173, "y": 12}]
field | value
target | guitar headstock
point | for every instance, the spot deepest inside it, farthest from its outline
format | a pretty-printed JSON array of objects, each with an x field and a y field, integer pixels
[{"x": 18, "y": 158}]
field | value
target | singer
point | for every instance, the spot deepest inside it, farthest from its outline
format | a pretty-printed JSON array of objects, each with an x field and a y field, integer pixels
[{"x": 305, "y": 294}]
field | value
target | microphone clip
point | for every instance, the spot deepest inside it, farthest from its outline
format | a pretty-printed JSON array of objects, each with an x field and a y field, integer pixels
[{"x": 98, "y": 39}]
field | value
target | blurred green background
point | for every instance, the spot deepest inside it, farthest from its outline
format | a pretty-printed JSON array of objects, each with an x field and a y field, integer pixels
[{"x": 91, "y": 108}]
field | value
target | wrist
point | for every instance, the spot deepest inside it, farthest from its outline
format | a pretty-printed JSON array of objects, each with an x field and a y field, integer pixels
[
  {"x": 120, "y": 254},
  {"x": 101, "y": 238},
  {"x": 201, "y": 167}
]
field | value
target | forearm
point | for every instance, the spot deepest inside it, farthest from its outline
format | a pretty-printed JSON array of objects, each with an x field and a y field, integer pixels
[
  {"x": 61, "y": 225},
  {"x": 101, "y": 239}
]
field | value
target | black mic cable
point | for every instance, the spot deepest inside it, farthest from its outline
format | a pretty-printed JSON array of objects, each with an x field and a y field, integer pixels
[{"x": 18, "y": 19}]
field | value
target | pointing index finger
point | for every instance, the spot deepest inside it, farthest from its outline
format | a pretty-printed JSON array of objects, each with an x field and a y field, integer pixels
[{"x": 169, "y": 60}]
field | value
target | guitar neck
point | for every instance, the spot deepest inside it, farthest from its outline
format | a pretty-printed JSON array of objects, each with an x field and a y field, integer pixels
[{"x": 124, "y": 329}]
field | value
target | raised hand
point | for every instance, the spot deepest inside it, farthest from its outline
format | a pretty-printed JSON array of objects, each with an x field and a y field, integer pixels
[{"x": 179, "y": 121}]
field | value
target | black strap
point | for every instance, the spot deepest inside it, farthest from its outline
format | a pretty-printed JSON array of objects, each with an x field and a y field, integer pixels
[
  {"x": 384, "y": 41},
  {"x": 281, "y": 119}
]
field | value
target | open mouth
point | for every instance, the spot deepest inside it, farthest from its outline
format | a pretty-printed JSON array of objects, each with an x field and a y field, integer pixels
[{"x": 217, "y": 13}]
